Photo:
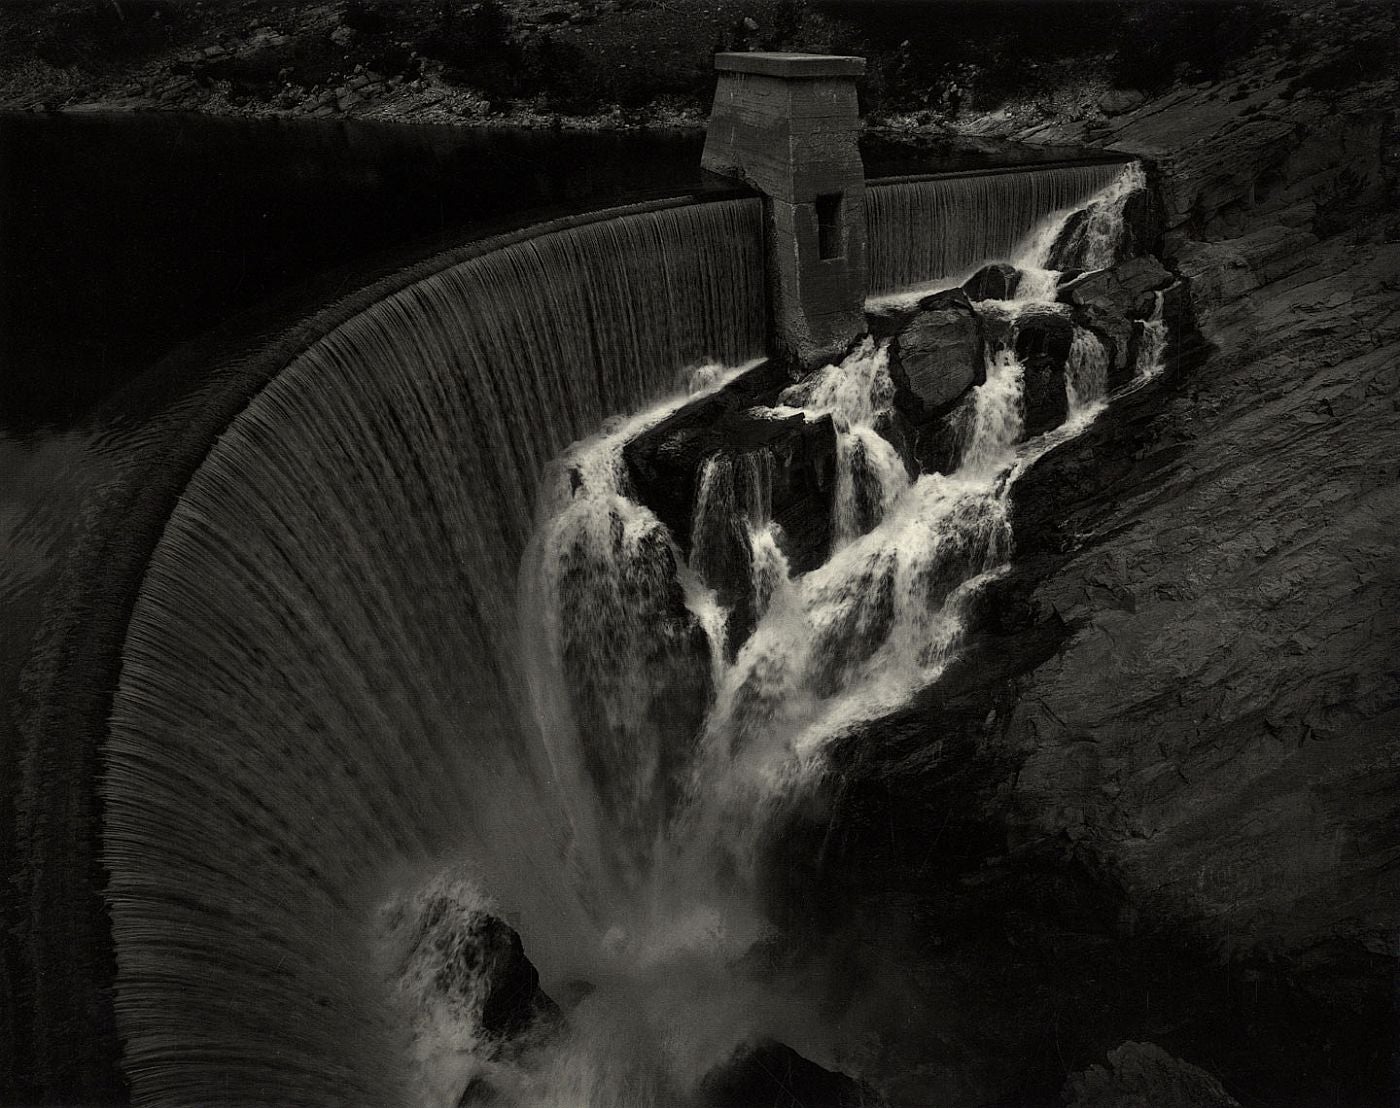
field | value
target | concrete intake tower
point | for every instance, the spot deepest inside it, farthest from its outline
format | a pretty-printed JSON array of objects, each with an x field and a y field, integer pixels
[{"x": 787, "y": 124}]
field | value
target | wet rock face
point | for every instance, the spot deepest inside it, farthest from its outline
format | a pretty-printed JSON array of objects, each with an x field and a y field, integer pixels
[
  {"x": 665, "y": 464},
  {"x": 1143, "y": 224},
  {"x": 1141, "y": 234},
  {"x": 481, "y": 972},
  {"x": 938, "y": 446},
  {"x": 1166, "y": 761},
  {"x": 895, "y": 429},
  {"x": 993, "y": 282},
  {"x": 1244, "y": 597},
  {"x": 1143, "y": 1075},
  {"x": 1046, "y": 402},
  {"x": 624, "y": 626},
  {"x": 770, "y": 1074},
  {"x": 1122, "y": 290},
  {"x": 937, "y": 355},
  {"x": 1158, "y": 788}
]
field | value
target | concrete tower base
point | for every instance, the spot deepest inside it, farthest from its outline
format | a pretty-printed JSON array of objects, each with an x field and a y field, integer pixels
[{"x": 786, "y": 124}]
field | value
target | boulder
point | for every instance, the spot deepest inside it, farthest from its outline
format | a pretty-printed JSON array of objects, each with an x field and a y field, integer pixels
[
  {"x": 1143, "y": 224},
  {"x": 804, "y": 485},
  {"x": 665, "y": 464},
  {"x": 1125, "y": 289},
  {"x": 1119, "y": 101},
  {"x": 1143, "y": 1075},
  {"x": 938, "y": 447},
  {"x": 1111, "y": 302},
  {"x": 514, "y": 1002},
  {"x": 937, "y": 356},
  {"x": 1043, "y": 331},
  {"x": 1046, "y": 401},
  {"x": 770, "y": 1074},
  {"x": 479, "y": 966},
  {"x": 997, "y": 281},
  {"x": 664, "y": 461},
  {"x": 1041, "y": 337},
  {"x": 1120, "y": 342}
]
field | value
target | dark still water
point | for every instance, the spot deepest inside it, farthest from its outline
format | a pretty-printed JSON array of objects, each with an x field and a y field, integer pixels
[{"x": 124, "y": 235}]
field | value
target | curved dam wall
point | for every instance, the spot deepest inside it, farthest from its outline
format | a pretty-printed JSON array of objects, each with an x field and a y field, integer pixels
[
  {"x": 616, "y": 302},
  {"x": 319, "y": 678}
]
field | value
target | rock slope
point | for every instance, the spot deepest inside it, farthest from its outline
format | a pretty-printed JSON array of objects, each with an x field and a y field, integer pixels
[{"x": 1160, "y": 797}]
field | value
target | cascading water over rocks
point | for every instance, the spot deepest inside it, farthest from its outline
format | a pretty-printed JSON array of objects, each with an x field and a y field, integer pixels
[
  {"x": 841, "y": 643},
  {"x": 565, "y": 720}
]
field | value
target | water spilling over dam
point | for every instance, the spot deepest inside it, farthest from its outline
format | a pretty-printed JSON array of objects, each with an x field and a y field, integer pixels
[
  {"x": 942, "y": 228},
  {"x": 383, "y": 682},
  {"x": 319, "y": 683}
]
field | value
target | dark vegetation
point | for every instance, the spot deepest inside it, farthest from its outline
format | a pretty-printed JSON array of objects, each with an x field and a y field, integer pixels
[
  {"x": 638, "y": 57},
  {"x": 919, "y": 53}
]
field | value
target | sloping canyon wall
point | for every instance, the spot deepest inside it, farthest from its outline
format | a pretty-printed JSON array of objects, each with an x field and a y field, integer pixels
[{"x": 1160, "y": 799}]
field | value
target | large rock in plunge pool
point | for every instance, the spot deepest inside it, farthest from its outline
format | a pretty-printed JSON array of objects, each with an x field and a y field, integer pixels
[
  {"x": 936, "y": 355},
  {"x": 471, "y": 966},
  {"x": 1143, "y": 1075},
  {"x": 770, "y": 1074}
]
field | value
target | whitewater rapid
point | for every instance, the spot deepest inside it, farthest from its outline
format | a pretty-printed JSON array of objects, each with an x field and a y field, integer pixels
[{"x": 667, "y": 811}]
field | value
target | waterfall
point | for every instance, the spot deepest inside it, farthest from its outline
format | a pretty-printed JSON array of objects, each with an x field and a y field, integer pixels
[
  {"x": 1092, "y": 241},
  {"x": 1152, "y": 341},
  {"x": 869, "y": 471},
  {"x": 385, "y": 686},
  {"x": 734, "y": 502},
  {"x": 824, "y": 650},
  {"x": 320, "y": 690},
  {"x": 942, "y": 229},
  {"x": 1086, "y": 377}
]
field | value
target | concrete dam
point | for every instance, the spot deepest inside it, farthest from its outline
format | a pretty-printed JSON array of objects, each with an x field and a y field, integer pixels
[{"x": 491, "y": 639}]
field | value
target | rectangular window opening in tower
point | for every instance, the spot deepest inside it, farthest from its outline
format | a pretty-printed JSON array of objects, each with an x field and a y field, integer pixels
[{"x": 829, "y": 244}]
